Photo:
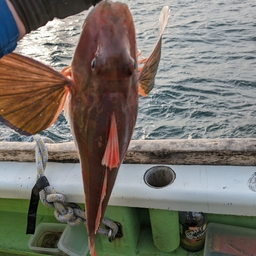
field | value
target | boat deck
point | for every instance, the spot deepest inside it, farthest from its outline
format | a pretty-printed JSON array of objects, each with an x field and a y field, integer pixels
[{"x": 225, "y": 193}]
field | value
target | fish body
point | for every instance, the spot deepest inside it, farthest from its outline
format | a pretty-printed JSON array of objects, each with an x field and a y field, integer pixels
[
  {"x": 104, "y": 101},
  {"x": 100, "y": 89}
]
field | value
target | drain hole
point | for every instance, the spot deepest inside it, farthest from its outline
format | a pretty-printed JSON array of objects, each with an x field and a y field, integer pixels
[{"x": 159, "y": 176}]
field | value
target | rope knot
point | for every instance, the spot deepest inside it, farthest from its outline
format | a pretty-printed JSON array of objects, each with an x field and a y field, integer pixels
[{"x": 64, "y": 211}]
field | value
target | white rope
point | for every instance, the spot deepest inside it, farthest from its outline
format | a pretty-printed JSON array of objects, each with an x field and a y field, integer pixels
[{"x": 64, "y": 212}]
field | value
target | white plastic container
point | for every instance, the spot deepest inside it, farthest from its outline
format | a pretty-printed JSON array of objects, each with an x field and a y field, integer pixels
[
  {"x": 46, "y": 238},
  {"x": 74, "y": 241}
]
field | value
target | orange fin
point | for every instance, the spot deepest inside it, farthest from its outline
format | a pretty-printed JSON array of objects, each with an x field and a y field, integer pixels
[
  {"x": 148, "y": 72},
  {"x": 141, "y": 91},
  {"x": 111, "y": 157},
  {"x": 67, "y": 72},
  {"x": 103, "y": 194},
  {"x": 32, "y": 94}
]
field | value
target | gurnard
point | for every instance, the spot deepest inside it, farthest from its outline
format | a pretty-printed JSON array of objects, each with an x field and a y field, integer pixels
[{"x": 100, "y": 94}]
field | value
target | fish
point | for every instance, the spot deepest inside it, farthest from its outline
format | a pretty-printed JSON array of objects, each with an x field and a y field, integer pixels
[{"x": 99, "y": 95}]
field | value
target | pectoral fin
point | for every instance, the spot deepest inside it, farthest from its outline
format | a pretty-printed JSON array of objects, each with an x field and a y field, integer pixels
[
  {"x": 31, "y": 94},
  {"x": 148, "y": 72}
]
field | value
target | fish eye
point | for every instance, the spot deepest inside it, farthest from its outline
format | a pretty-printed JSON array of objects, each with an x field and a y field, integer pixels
[{"x": 93, "y": 64}]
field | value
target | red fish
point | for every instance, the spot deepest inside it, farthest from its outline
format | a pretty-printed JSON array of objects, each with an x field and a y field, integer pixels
[{"x": 101, "y": 94}]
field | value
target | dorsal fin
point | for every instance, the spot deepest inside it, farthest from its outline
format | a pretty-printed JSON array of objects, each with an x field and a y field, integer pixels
[{"x": 111, "y": 158}]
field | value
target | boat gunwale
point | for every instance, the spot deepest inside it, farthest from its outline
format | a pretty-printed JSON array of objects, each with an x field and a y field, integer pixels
[{"x": 237, "y": 151}]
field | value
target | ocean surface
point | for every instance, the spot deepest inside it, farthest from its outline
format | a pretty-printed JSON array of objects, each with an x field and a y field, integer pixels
[{"x": 206, "y": 83}]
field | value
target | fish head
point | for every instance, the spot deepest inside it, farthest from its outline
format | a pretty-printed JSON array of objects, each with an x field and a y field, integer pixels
[{"x": 106, "y": 50}]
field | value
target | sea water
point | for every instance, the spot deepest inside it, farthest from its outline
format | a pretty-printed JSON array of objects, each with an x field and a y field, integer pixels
[{"x": 206, "y": 83}]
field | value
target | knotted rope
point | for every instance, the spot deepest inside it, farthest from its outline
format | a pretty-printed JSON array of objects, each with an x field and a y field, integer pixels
[{"x": 64, "y": 211}]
